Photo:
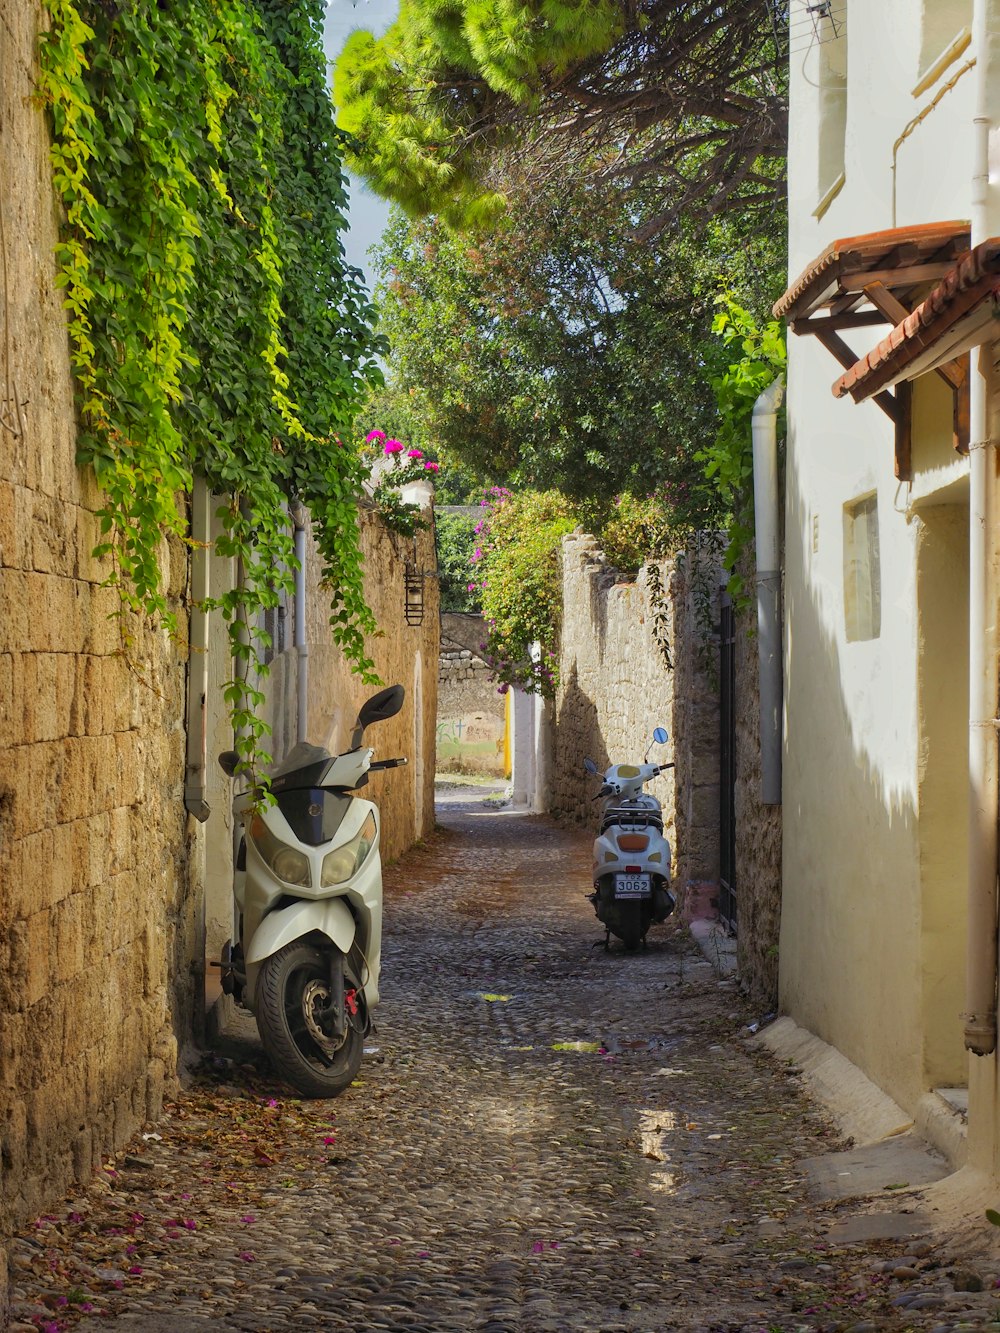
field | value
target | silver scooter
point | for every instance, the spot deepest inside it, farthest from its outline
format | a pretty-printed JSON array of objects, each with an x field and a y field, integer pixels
[
  {"x": 631, "y": 855},
  {"x": 308, "y": 890}
]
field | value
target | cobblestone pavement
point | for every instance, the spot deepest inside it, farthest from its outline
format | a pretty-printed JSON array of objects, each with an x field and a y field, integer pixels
[{"x": 546, "y": 1136}]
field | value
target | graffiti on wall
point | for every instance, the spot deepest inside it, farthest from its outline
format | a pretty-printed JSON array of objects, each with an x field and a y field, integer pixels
[{"x": 471, "y": 744}]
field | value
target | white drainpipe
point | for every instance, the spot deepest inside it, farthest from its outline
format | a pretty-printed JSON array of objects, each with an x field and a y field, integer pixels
[
  {"x": 300, "y": 518},
  {"x": 981, "y": 959},
  {"x": 768, "y": 543}
]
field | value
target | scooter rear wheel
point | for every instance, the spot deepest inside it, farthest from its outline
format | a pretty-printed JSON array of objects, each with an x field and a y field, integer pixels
[
  {"x": 630, "y": 926},
  {"x": 291, "y": 989}
]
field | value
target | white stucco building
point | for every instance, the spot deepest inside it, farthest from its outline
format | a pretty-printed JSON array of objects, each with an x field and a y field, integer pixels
[{"x": 889, "y": 915}]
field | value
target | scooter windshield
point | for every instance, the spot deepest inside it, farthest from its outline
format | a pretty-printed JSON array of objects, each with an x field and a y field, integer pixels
[{"x": 309, "y": 717}]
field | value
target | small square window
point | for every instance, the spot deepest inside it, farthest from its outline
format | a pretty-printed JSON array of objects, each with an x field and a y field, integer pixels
[{"x": 862, "y": 572}]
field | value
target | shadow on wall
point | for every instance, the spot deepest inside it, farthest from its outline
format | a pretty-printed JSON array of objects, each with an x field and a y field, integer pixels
[
  {"x": 871, "y": 922},
  {"x": 757, "y": 852},
  {"x": 577, "y": 736}
]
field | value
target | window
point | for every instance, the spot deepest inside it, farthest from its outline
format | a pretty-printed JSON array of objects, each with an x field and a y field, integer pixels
[
  {"x": 830, "y": 22},
  {"x": 945, "y": 32},
  {"x": 862, "y": 575}
]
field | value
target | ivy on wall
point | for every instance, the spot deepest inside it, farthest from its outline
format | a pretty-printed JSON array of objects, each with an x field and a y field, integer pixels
[
  {"x": 728, "y": 460},
  {"x": 216, "y": 329}
]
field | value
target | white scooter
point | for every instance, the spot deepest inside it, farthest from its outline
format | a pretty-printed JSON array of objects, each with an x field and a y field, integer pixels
[
  {"x": 631, "y": 855},
  {"x": 308, "y": 889}
]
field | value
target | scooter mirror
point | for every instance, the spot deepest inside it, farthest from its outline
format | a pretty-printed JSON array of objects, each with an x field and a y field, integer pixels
[
  {"x": 385, "y": 704},
  {"x": 660, "y": 735},
  {"x": 590, "y": 766},
  {"x": 228, "y": 761}
]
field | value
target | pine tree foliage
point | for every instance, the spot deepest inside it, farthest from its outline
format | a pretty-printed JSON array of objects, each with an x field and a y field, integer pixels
[{"x": 681, "y": 101}]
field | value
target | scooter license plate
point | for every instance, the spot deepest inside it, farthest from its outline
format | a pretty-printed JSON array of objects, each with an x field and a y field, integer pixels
[{"x": 632, "y": 886}]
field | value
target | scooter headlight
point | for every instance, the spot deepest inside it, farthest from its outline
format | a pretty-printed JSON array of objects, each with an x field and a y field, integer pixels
[
  {"x": 287, "y": 863},
  {"x": 345, "y": 862}
]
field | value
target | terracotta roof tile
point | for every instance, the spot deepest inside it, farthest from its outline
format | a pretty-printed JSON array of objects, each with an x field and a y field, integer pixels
[
  {"x": 949, "y": 321},
  {"x": 820, "y": 282}
]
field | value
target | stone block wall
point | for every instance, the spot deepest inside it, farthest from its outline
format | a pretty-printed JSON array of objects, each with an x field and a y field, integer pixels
[
  {"x": 615, "y": 687},
  {"x": 471, "y": 722},
  {"x": 404, "y": 654},
  {"x": 102, "y": 873},
  {"x": 758, "y": 827},
  {"x": 97, "y": 920}
]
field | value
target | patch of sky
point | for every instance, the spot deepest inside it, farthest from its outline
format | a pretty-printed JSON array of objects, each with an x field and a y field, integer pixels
[{"x": 368, "y": 213}]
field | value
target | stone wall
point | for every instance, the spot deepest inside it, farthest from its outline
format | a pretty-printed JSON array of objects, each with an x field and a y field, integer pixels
[
  {"x": 693, "y": 586},
  {"x": 472, "y": 715},
  {"x": 404, "y": 654},
  {"x": 615, "y": 687},
  {"x": 758, "y": 828},
  {"x": 97, "y": 920},
  {"x": 103, "y": 876}
]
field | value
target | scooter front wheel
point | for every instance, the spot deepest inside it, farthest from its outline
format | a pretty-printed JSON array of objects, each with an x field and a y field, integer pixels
[{"x": 292, "y": 1008}]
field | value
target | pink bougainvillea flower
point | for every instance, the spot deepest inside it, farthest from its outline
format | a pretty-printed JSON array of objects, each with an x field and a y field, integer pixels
[
  {"x": 414, "y": 453},
  {"x": 375, "y": 434},
  {"x": 393, "y": 447},
  {"x": 432, "y": 467}
]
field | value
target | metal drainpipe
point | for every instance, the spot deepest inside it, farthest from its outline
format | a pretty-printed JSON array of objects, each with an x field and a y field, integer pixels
[
  {"x": 196, "y": 774},
  {"x": 767, "y": 542},
  {"x": 981, "y": 958},
  {"x": 300, "y": 519}
]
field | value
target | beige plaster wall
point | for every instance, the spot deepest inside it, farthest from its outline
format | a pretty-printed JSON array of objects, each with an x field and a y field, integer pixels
[
  {"x": 873, "y": 831},
  {"x": 943, "y": 663},
  {"x": 97, "y": 922}
]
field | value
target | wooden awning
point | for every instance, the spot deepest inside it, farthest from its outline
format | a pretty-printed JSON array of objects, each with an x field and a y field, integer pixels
[
  {"x": 881, "y": 277},
  {"x": 959, "y": 314},
  {"x": 901, "y": 261}
]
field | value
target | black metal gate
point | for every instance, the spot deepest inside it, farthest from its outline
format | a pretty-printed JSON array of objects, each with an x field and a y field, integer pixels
[{"x": 727, "y": 766}]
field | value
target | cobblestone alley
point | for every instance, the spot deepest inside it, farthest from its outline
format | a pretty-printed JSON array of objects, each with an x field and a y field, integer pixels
[{"x": 545, "y": 1136}]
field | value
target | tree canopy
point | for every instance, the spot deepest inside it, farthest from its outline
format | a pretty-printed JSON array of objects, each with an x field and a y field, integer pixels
[
  {"x": 678, "y": 104},
  {"x": 560, "y": 354}
]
